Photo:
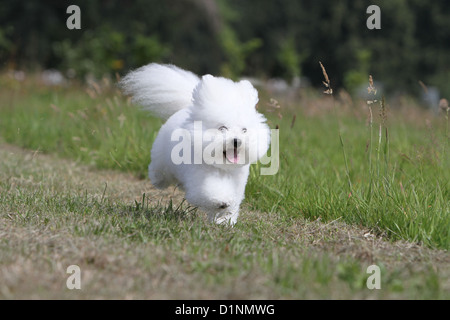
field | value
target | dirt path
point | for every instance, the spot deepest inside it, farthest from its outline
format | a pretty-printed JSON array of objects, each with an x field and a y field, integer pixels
[{"x": 81, "y": 178}]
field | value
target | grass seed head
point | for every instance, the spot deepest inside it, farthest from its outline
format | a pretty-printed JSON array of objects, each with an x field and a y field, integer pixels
[
  {"x": 443, "y": 105},
  {"x": 326, "y": 83},
  {"x": 371, "y": 88}
]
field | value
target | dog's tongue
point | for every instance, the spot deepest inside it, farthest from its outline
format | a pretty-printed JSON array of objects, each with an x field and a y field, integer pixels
[{"x": 232, "y": 156}]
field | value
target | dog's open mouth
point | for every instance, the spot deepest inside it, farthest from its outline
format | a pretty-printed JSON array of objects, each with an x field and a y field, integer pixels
[{"x": 231, "y": 155}]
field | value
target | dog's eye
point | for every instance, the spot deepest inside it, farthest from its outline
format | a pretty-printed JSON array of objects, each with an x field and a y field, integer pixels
[
  {"x": 244, "y": 130},
  {"x": 223, "y": 128}
]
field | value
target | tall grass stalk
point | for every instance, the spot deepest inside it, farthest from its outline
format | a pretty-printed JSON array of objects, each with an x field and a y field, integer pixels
[
  {"x": 329, "y": 91},
  {"x": 381, "y": 147},
  {"x": 371, "y": 91},
  {"x": 443, "y": 105}
]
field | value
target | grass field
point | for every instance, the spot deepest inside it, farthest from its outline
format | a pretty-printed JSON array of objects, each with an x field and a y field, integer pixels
[{"x": 345, "y": 197}]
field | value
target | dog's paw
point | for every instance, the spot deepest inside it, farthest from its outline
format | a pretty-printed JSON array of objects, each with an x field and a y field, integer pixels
[{"x": 229, "y": 219}]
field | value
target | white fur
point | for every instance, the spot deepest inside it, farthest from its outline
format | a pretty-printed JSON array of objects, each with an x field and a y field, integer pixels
[
  {"x": 214, "y": 102},
  {"x": 161, "y": 89}
]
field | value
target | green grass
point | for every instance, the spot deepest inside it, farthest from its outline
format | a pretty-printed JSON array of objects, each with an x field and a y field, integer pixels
[
  {"x": 405, "y": 197},
  {"x": 102, "y": 130},
  {"x": 397, "y": 187},
  {"x": 310, "y": 231},
  {"x": 55, "y": 213}
]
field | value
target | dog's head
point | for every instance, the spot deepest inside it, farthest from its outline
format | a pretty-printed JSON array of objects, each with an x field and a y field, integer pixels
[{"x": 233, "y": 132}]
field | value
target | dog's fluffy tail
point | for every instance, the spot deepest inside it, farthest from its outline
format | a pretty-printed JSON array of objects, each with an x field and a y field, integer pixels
[{"x": 160, "y": 89}]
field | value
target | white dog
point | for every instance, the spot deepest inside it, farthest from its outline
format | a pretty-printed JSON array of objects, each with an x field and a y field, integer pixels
[{"x": 212, "y": 135}]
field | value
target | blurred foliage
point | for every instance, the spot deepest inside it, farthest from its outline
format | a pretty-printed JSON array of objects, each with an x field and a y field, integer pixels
[
  {"x": 289, "y": 58},
  {"x": 106, "y": 50},
  {"x": 235, "y": 52},
  {"x": 357, "y": 76},
  {"x": 263, "y": 38}
]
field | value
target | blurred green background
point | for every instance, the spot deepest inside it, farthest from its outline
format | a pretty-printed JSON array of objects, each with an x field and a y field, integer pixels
[{"x": 258, "y": 38}]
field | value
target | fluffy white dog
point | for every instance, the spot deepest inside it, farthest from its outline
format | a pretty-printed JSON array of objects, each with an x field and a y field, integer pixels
[{"x": 212, "y": 135}]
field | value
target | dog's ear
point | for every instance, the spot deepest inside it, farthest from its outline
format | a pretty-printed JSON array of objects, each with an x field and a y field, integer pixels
[
  {"x": 207, "y": 77},
  {"x": 249, "y": 92},
  {"x": 207, "y": 81}
]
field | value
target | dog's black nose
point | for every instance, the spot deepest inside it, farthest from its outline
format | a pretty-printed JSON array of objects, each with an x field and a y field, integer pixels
[{"x": 237, "y": 142}]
